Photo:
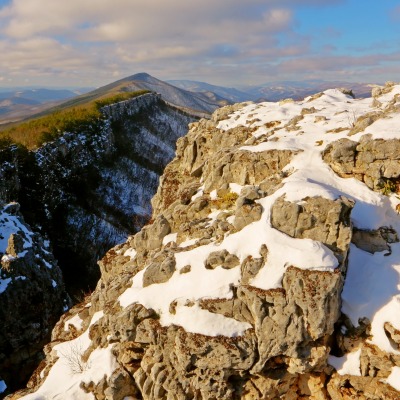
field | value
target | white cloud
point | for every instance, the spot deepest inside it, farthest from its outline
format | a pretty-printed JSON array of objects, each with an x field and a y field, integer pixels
[{"x": 223, "y": 41}]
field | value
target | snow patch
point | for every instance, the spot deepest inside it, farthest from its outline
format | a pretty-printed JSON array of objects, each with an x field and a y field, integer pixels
[
  {"x": 349, "y": 364},
  {"x": 172, "y": 237},
  {"x": 70, "y": 364},
  {"x": 4, "y": 283},
  {"x": 75, "y": 321},
  {"x": 394, "y": 378},
  {"x": 3, "y": 386}
]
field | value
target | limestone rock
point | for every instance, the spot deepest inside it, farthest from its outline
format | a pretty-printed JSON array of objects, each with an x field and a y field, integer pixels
[
  {"x": 374, "y": 240},
  {"x": 318, "y": 219},
  {"x": 32, "y": 296},
  {"x": 373, "y": 161},
  {"x": 223, "y": 259},
  {"x": 159, "y": 272},
  {"x": 359, "y": 387},
  {"x": 243, "y": 167},
  {"x": 276, "y": 338}
]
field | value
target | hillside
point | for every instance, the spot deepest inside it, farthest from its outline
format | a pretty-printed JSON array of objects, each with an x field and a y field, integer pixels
[
  {"x": 85, "y": 191},
  {"x": 231, "y": 94},
  {"x": 189, "y": 100},
  {"x": 17, "y": 104},
  {"x": 83, "y": 110},
  {"x": 270, "y": 268}
]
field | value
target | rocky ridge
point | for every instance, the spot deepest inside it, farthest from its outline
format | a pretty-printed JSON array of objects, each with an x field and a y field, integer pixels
[
  {"x": 89, "y": 190},
  {"x": 84, "y": 192},
  {"x": 32, "y": 296},
  {"x": 269, "y": 270}
]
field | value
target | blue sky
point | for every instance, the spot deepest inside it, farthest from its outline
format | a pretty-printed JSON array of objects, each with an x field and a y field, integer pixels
[{"x": 224, "y": 42}]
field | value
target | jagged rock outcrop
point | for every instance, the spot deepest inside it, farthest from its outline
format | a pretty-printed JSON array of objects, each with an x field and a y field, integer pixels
[
  {"x": 376, "y": 162},
  {"x": 263, "y": 274},
  {"x": 32, "y": 296}
]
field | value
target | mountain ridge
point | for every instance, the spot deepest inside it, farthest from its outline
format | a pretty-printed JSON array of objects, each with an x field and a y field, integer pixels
[{"x": 260, "y": 275}]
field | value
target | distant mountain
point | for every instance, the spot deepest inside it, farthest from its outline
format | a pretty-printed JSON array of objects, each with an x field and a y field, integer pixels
[
  {"x": 297, "y": 90},
  {"x": 273, "y": 91},
  {"x": 202, "y": 97},
  {"x": 193, "y": 100},
  {"x": 16, "y": 104},
  {"x": 231, "y": 94}
]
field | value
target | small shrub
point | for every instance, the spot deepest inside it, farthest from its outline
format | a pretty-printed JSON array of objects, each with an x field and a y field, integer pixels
[
  {"x": 74, "y": 358},
  {"x": 389, "y": 186},
  {"x": 5, "y": 142},
  {"x": 118, "y": 97},
  {"x": 227, "y": 200},
  {"x": 75, "y": 118}
]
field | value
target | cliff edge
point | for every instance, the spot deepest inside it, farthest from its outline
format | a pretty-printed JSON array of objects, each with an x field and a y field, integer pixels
[{"x": 270, "y": 268}]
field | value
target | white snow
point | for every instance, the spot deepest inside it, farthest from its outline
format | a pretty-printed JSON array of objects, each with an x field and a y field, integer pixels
[
  {"x": 308, "y": 176},
  {"x": 4, "y": 283},
  {"x": 47, "y": 264},
  {"x": 394, "y": 378},
  {"x": 11, "y": 224},
  {"x": 53, "y": 283},
  {"x": 349, "y": 364},
  {"x": 372, "y": 290},
  {"x": 170, "y": 238},
  {"x": 66, "y": 375},
  {"x": 7, "y": 257},
  {"x": 130, "y": 253},
  {"x": 3, "y": 386},
  {"x": 75, "y": 321}
]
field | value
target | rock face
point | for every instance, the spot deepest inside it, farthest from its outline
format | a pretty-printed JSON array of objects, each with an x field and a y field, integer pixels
[
  {"x": 263, "y": 273},
  {"x": 376, "y": 162},
  {"x": 89, "y": 190},
  {"x": 32, "y": 297}
]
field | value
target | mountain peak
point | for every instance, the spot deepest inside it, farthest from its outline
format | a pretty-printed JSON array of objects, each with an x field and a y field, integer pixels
[{"x": 142, "y": 76}]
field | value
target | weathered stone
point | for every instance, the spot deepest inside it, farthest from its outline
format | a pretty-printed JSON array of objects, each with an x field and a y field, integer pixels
[
  {"x": 250, "y": 268},
  {"x": 246, "y": 214},
  {"x": 158, "y": 272},
  {"x": 341, "y": 156},
  {"x": 294, "y": 321},
  {"x": 243, "y": 167},
  {"x": 348, "y": 387},
  {"x": 374, "y": 241},
  {"x": 316, "y": 218},
  {"x": 392, "y": 333},
  {"x": 15, "y": 244},
  {"x": 120, "y": 386},
  {"x": 364, "y": 121},
  {"x": 151, "y": 237},
  {"x": 372, "y": 161},
  {"x": 222, "y": 259},
  {"x": 374, "y": 362}
]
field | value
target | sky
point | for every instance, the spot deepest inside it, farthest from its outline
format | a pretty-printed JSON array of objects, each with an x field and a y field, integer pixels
[{"x": 89, "y": 43}]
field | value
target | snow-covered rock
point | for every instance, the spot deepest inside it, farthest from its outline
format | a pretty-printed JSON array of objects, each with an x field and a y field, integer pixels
[
  {"x": 206, "y": 304},
  {"x": 30, "y": 302}
]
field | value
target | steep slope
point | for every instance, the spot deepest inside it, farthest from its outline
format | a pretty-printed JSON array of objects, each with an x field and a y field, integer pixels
[
  {"x": 183, "y": 98},
  {"x": 19, "y": 104},
  {"x": 270, "y": 270},
  {"x": 32, "y": 297},
  {"x": 89, "y": 190},
  {"x": 231, "y": 94},
  {"x": 85, "y": 192}
]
